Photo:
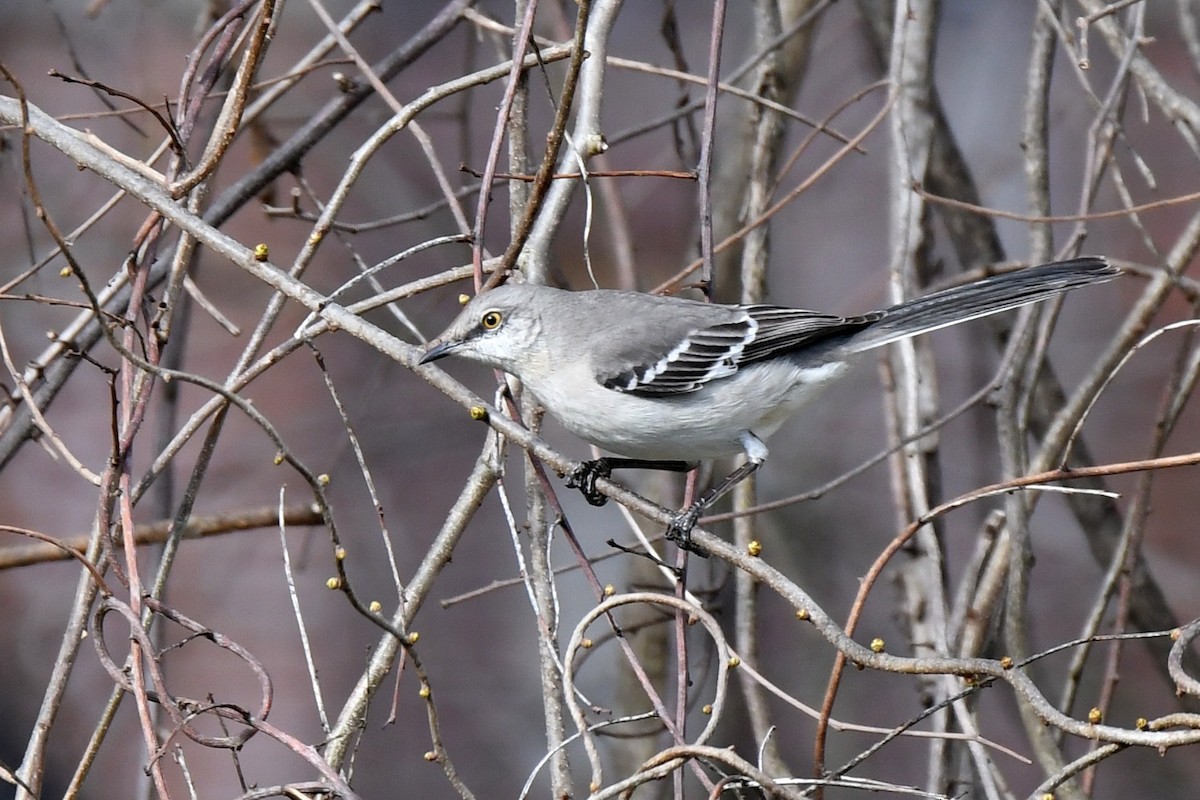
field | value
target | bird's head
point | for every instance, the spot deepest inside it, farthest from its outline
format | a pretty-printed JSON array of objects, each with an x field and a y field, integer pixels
[{"x": 499, "y": 328}]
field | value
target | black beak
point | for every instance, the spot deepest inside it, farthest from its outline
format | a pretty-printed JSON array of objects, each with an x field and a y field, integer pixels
[{"x": 439, "y": 350}]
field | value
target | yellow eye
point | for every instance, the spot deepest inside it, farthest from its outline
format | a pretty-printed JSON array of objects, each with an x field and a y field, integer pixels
[{"x": 491, "y": 320}]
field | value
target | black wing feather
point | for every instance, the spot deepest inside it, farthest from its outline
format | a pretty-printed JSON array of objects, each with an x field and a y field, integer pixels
[
  {"x": 702, "y": 355},
  {"x": 781, "y": 330},
  {"x": 715, "y": 352}
]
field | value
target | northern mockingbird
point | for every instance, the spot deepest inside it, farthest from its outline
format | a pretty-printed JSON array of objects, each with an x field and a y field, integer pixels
[{"x": 666, "y": 382}]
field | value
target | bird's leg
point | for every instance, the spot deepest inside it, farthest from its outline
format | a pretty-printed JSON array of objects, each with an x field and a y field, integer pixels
[
  {"x": 586, "y": 474},
  {"x": 680, "y": 528}
]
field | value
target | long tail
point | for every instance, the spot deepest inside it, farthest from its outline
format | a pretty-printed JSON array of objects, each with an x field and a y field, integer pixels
[{"x": 982, "y": 298}]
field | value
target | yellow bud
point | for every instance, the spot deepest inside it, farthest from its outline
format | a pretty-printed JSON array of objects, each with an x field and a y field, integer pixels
[
  {"x": 802, "y": 614},
  {"x": 278, "y": 459},
  {"x": 424, "y": 693},
  {"x": 323, "y": 479},
  {"x": 261, "y": 252},
  {"x": 333, "y": 583},
  {"x": 339, "y": 553},
  {"x": 1095, "y": 716},
  {"x": 430, "y": 756},
  {"x": 65, "y": 272},
  {"x": 877, "y": 645},
  {"x": 463, "y": 299},
  {"x": 315, "y": 238},
  {"x": 1142, "y": 723},
  {"x": 375, "y": 606},
  {"x": 586, "y": 644},
  {"x": 479, "y": 413},
  {"x": 754, "y": 548},
  {"x": 706, "y": 708},
  {"x": 413, "y": 637},
  {"x": 609, "y": 590},
  {"x": 734, "y": 662},
  {"x": 1006, "y": 662}
]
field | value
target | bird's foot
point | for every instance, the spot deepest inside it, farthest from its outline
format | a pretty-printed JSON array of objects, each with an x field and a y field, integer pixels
[
  {"x": 679, "y": 530},
  {"x": 584, "y": 479}
]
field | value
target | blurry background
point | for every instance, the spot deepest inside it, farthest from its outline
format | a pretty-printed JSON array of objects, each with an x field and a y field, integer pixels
[{"x": 829, "y": 249}]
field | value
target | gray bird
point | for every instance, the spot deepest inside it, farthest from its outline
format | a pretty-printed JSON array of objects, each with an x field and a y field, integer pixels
[{"x": 666, "y": 382}]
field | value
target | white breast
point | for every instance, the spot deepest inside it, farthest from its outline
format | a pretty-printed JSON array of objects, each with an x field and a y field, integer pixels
[{"x": 688, "y": 427}]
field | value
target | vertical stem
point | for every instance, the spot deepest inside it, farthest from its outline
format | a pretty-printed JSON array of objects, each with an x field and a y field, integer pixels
[
  {"x": 913, "y": 402},
  {"x": 1010, "y": 421},
  {"x": 704, "y": 169}
]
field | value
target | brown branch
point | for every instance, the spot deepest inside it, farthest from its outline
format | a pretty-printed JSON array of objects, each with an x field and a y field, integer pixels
[
  {"x": 1168, "y": 202},
  {"x": 168, "y": 126},
  {"x": 686, "y": 175},
  {"x": 198, "y": 527}
]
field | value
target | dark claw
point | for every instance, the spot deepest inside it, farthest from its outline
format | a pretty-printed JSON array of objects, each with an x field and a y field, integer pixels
[
  {"x": 584, "y": 479},
  {"x": 679, "y": 530}
]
